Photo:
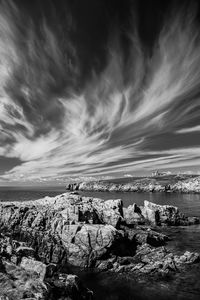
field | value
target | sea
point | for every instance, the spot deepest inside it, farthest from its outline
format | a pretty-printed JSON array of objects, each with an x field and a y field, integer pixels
[{"x": 108, "y": 286}]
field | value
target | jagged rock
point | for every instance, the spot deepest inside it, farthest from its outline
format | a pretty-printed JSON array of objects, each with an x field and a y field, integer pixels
[
  {"x": 109, "y": 211},
  {"x": 165, "y": 215},
  {"x": 144, "y": 235},
  {"x": 132, "y": 215},
  {"x": 35, "y": 266},
  {"x": 89, "y": 243},
  {"x": 191, "y": 185},
  {"x": 150, "y": 261},
  {"x": 88, "y": 232},
  {"x": 188, "y": 257},
  {"x": 16, "y": 283}
]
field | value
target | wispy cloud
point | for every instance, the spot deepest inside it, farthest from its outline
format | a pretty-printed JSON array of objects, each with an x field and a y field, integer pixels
[
  {"x": 105, "y": 128},
  {"x": 190, "y": 129}
]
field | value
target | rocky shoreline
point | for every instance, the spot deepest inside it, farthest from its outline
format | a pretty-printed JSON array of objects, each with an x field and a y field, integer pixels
[
  {"x": 175, "y": 184},
  {"x": 38, "y": 238}
]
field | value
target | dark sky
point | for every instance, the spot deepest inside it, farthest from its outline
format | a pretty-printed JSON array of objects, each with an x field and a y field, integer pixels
[{"x": 98, "y": 88}]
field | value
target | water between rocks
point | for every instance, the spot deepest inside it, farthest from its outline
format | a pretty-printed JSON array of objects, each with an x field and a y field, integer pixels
[{"x": 182, "y": 286}]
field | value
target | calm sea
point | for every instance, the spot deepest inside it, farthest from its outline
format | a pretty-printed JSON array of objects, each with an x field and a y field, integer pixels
[
  {"x": 28, "y": 193},
  {"x": 183, "y": 286}
]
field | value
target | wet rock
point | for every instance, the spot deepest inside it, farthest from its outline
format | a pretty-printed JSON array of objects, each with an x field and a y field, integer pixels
[
  {"x": 188, "y": 257},
  {"x": 145, "y": 235},
  {"x": 104, "y": 265},
  {"x": 70, "y": 287},
  {"x": 150, "y": 261}
]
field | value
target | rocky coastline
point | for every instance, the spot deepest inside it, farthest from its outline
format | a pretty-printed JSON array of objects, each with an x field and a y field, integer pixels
[
  {"x": 38, "y": 238},
  {"x": 175, "y": 184}
]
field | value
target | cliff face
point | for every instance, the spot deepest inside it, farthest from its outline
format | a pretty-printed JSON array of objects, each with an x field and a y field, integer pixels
[{"x": 90, "y": 232}]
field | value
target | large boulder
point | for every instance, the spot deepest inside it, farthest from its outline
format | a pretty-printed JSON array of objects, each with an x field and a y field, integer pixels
[
  {"x": 87, "y": 243},
  {"x": 109, "y": 211}
]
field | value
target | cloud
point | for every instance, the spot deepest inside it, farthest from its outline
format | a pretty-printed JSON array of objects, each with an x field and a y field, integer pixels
[
  {"x": 58, "y": 131},
  {"x": 190, "y": 129}
]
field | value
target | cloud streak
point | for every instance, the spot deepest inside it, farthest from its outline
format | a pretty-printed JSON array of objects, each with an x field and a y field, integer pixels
[{"x": 107, "y": 126}]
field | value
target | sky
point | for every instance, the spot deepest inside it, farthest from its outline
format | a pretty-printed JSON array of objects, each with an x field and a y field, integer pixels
[{"x": 98, "y": 89}]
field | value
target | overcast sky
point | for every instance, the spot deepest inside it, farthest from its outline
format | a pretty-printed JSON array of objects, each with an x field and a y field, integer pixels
[{"x": 98, "y": 88}]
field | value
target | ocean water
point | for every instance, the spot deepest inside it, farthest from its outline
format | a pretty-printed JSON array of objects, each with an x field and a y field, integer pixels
[
  {"x": 28, "y": 193},
  {"x": 182, "y": 286}
]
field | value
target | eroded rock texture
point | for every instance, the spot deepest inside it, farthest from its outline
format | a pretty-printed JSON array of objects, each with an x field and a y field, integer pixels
[
  {"x": 22, "y": 276},
  {"x": 90, "y": 232}
]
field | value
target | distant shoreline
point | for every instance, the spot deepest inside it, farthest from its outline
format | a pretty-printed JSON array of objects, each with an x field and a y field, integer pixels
[{"x": 168, "y": 184}]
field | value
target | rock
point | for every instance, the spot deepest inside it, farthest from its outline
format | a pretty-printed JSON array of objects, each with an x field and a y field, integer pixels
[
  {"x": 25, "y": 251},
  {"x": 165, "y": 215},
  {"x": 110, "y": 211},
  {"x": 145, "y": 235},
  {"x": 89, "y": 243},
  {"x": 150, "y": 214},
  {"x": 104, "y": 265},
  {"x": 71, "y": 286},
  {"x": 132, "y": 215},
  {"x": 188, "y": 257},
  {"x": 189, "y": 185},
  {"x": 16, "y": 283},
  {"x": 89, "y": 232},
  {"x": 32, "y": 265}
]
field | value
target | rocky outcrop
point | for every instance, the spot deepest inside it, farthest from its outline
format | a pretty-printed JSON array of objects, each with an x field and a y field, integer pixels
[
  {"x": 153, "y": 261},
  {"x": 165, "y": 215},
  {"x": 87, "y": 243},
  {"x": 187, "y": 185},
  {"x": 139, "y": 185},
  {"x": 22, "y": 276},
  {"x": 90, "y": 232},
  {"x": 172, "y": 183},
  {"x": 157, "y": 215}
]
